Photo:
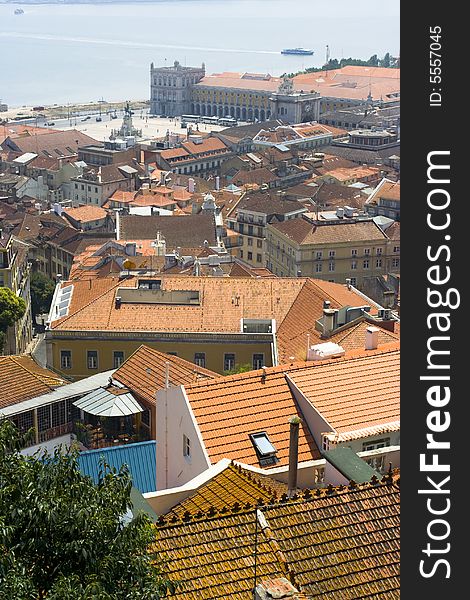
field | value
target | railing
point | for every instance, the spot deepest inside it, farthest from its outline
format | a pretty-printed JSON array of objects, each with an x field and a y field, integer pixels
[{"x": 54, "y": 432}]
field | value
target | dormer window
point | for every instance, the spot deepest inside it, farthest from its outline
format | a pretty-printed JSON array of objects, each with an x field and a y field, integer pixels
[{"x": 265, "y": 450}]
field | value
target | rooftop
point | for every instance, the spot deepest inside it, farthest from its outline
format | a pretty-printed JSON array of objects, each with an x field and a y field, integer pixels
[
  {"x": 358, "y": 393},
  {"x": 178, "y": 230},
  {"x": 144, "y": 372},
  {"x": 305, "y": 233},
  {"x": 335, "y": 544},
  {"x": 85, "y": 214},
  {"x": 21, "y": 378},
  {"x": 140, "y": 459}
]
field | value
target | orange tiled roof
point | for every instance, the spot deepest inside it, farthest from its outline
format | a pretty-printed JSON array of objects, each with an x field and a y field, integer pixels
[
  {"x": 93, "y": 307},
  {"x": 359, "y": 392},
  {"x": 228, "y": 409},
  {"x": 335, "y": 544},
  {"x": 293, "y": 333},
  {"x": 144, "y": 372},
  {"x": 354, "y": 337},
  {"x": 87, "y": 213},
  {"x": 305, "y": 233},
  {"x": 22, "y": 378},
  {"x": 121, "y": 196},
  {"x": 344, "y": 174}
]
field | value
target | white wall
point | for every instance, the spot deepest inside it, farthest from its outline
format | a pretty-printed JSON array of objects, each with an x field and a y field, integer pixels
[{"x": 175, "y": 419}]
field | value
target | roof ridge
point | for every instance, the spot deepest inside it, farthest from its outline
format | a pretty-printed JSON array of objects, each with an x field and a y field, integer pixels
[{"x": 390, "y": 479}]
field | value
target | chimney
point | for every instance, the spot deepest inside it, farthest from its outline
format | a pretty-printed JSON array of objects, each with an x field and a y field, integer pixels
[
  {"x": 131, "y": 249},
  {"x": 217, "y": 183},
  {"x": 293, "y": 455},
  {"x": 191, "y": 185},
  {"x": 328, "y": 320},
  {"x": 118, "y": 302},
  {"x": 372, "y": 338}
]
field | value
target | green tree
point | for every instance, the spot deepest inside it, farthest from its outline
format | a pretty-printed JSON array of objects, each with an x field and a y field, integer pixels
[
  {"x": 42, "y": 290},
  {"x": 385, "y": 62},
  {"x": 239, "y": 369},
  {"x": 12, "y": 308},
  {"x": 64, "y": 538}
]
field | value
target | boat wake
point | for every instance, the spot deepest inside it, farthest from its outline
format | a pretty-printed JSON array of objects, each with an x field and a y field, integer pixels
[{"x": 123, "y": 43}]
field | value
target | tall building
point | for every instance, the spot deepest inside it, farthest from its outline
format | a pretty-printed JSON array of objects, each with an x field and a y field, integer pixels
[{"x": 170, "y": 88}]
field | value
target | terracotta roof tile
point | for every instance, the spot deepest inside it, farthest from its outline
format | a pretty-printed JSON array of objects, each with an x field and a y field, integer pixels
[
  {"x": 340, "y": 544},
  {"x": 22, "y": 378},
  {"x": 84, "y": 214},
  {"x": 93, "y": 306},
  {"x": 355, "y": 393},
  {"x": 233, "y": 484},
  {"x": 190, "y": 230},
  {"x": 304, "y": 233},
  {"x": 144, "y": 372},
  {"x": 229, "y": 409}
]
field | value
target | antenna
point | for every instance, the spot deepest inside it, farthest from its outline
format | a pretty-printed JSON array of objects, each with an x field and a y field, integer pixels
[{"x": 327, "y": 54}]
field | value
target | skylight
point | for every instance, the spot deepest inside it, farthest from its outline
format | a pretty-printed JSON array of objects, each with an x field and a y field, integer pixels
[{"x": 264, "y": 448}]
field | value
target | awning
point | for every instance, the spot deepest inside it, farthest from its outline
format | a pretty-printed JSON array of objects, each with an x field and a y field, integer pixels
[{"x": 103, "y": 403}]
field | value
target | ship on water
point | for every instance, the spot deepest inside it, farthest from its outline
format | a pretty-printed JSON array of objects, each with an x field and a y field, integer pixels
[
  {"x": 301, "y": 51},
  {"x": 19, "y": 11}
]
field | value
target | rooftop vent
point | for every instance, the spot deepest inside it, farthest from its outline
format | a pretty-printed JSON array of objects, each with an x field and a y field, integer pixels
[
  {"x": 265, "y": 451},
  {"x": 325, "y": 350}
]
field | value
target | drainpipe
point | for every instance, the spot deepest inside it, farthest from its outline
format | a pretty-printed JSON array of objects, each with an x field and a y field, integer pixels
[{"x": 293, "y": 455}]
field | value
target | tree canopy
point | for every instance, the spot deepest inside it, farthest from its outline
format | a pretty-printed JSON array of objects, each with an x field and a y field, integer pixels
[
  {"x": 12, "y": 308},
  {"x": 62, "y": 537},
  {"x": 42, "y": 291}
]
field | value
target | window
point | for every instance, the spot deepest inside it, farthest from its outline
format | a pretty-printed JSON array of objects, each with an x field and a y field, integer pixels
[
  {"x": 229, "y": 361},
  {"x": 250, "y": 229},
  {"x": 118, "y": 358},
  {"x": 332, "y": 253},
  {"x": 265, "y": 450},
  {"x": 259, "y": 258},
  {"x": 379, "y": 251},
  {"x": 173, "y": 353},
  {"x": 260, "y": 231},
  {"x": 367, "y": 251},
  {"x": 318, "y": 254},
  {"x": 186, "y": 446},
  {"x": 365, "y": 264},
  {"x": 353, "y": 281},
  {"x": 353, "y": 252},
  {"x": 65, "y": 359},
  {"x": 250, "y": 255},
  {"x": 92, "y": 359},
  {"x": 250, "y": 241},
  {"x": 353, "y": 265},
  {"x": 395, "y": 262},
  {"x": 241, "y": 253},
  {"x": 375, "y": 444},
  {"x": 146, "y": 417},
  {"x": 318, "y": 268},
  {"x": 258, "y": 361},
  {"x": 331, "y": 266},
  {"x": 325, "y": 443},
  {"x": 200, "y": 359},
  {"x": 378, "y": 263},
  {"x": 396, "y": 248},
  {"x": 259, "y": 243}
]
